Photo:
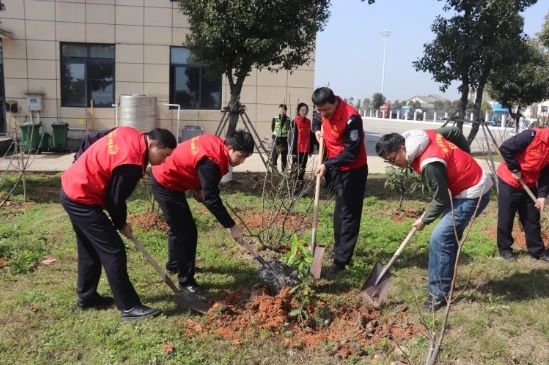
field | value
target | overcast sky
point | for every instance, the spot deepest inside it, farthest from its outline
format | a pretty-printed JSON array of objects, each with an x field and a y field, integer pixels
[{"x": 349, "y": 54}]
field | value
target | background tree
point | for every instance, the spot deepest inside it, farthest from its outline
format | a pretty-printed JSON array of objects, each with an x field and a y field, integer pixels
[
  {"x": 438, "y": 105},
  {"x": 544, "y": 35},
  {"x": 2, "y": 6},
  {"x": 521, "y": 84},
  {"x": 481, "y": 36},
  {"x": 366, "y": 103},
  {"x": 377, "y": 100},
  {"x": 234, "y": 36},
  {"x": 358, "y": 104}
]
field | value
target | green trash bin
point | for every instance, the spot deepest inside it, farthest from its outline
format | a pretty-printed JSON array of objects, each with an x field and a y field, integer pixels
[
  {"x": 45, "y": 144},
  {"x": 30, "y": 136},
  {"x": 59, "y": 137}
]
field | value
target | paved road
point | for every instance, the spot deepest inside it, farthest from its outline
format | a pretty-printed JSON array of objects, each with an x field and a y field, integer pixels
[{"x": 375, "y": 128}]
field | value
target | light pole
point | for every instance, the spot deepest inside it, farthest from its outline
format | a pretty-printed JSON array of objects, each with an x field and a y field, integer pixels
[{"x": 385, "y": 34}]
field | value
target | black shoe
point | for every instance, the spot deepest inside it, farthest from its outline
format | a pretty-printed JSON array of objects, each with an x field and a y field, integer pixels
[
  {"x": 544, "y": 257},
  {"x": 139, "y": 312},
  {"x": 336, "y": 268},
  {"x": 97, "y": 302},
  {"x": 191, "y": 286},
  {"x": 508, "y": 256},
  {"x": 433, "y": 304}
]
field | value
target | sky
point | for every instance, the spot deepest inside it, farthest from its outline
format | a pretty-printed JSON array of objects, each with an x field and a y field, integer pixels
[{"x": 349, "y": 55}]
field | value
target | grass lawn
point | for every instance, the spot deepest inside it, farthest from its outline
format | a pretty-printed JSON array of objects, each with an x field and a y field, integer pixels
[{"x": 500, "y": 316}]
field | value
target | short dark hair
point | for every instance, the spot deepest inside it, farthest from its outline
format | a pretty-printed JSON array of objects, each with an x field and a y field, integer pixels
[
  {"x": 241, "y": 141},
  {"x": 283, "y": 106},
  {"x": 389, "y": 143},
  {"x": 323, "y": 95},
  {"x": 301, "y": 105},
  {"x": 163, "y": 138}
]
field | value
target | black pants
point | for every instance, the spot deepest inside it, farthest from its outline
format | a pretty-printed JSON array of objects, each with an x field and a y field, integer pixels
[
  {"x": 99, "y": 244},
  {"x": 280, "y": 147},
  {"x": 349, "y": 188},
  {"x": 510, "y": 201},
  {"x": 299, "y": 165},
  {"x": 183, "y": 234}
]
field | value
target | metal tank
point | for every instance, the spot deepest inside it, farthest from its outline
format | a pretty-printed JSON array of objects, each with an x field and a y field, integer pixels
[{"x": 138, "y": 111}]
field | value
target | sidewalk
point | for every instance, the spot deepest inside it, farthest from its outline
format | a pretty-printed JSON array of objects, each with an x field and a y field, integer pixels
[{"x": 60, "y": 162}]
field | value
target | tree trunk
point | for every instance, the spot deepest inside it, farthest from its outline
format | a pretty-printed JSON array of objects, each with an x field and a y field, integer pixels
[
  {"x": 476, "y": 114},
  {"x": 464, "y": 89},
  {"x": 234, "y": 103}
]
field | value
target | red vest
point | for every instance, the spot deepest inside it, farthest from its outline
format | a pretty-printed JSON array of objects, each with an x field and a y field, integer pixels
[
  {"x": 334, "y": 130},
  {"x": 303, "y": 134},
  {"x": 462, "y": 170},
  {"x": 532, "y": 160},
  {"x": 86, "y": 180},
  {"x": 178, "y": 172}
]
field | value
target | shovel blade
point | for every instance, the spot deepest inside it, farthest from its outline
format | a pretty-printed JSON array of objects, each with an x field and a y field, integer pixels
[
  {"x": 373, "y": 293},
  {"x": 316, "y": 266},
  {"x": 190, "y": 301}
]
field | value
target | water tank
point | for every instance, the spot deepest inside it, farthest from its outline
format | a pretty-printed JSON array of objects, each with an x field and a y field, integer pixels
[{"x": 138, "y": 111}]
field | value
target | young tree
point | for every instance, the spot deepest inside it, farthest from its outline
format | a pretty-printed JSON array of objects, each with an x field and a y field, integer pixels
[
  {"x": 234, "y": 36},
  {"x": 377, "y": 100},
  {"x": 523, "y": 83},
  {"x": 470, "y": 45}
]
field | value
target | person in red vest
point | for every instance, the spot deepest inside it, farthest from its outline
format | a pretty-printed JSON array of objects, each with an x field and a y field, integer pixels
[
  {"x": 455, "y": 179},
  {"x": 197, "y": 165},
  {"x": 301, "y": 143},
  {"x": 347, "y": 166},
  {"x": 526, "y": 157},
  {"x": 102, "y": 178}
]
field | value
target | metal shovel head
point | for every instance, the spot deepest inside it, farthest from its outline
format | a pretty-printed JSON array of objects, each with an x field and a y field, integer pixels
[
  {"x": 373, "y": 293},
  {"x": 316, "y": 266},
  {"x": 189, "y": 300}
]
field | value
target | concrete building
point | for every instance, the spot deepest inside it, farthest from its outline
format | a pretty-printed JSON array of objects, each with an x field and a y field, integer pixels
[{"x": 71, "y": 52}]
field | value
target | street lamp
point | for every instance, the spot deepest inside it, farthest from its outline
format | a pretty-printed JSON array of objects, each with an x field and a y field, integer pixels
[{"x": 385, "y": 34}]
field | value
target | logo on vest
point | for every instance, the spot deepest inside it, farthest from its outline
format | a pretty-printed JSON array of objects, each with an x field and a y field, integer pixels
[
  {"x": 194, "y": 146},
  {"x": 112, "y": 148},
  {"x": 444, "y": 145}
]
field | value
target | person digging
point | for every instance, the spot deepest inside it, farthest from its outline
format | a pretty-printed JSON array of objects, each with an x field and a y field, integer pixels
[
  {"x": 197, "y": 165},
  {"x": 102, "y": 178},
  {"x": 526, "y": 157},
  {"x": 443, "y": 159}
]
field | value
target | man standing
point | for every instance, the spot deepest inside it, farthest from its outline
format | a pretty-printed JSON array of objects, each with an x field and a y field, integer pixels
[
  {"x": 346, "y": 163},
  {"x": 455, "y": 179},
  {"x": 280, "y": 127},
  {"x": 526, "y": 157},
  {"x": 198, "y": 165},
  {"x": 103, "y": 177}
]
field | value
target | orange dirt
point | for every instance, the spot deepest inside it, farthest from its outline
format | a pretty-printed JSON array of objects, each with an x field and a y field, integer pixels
[
  {"x": 149, "y": 221},
  {"x": 518, "y": 235},
  {"x": 399, "y": 216},
  {"x": 292, "y": 222},
  {"x": 241, "y": 314},
  {"x": 3, "y": 262}
]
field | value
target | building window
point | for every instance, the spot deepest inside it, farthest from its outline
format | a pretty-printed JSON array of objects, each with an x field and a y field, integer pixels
[
  {"x": 87, "y": 74},
  {"x": 191, "y": 86}
]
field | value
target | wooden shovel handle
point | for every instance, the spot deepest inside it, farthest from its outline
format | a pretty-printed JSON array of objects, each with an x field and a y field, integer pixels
[{"x": 317, "y": 194}]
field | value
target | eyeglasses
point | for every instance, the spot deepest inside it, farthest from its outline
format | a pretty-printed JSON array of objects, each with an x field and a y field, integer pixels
[{"x": 392, "y": 159}]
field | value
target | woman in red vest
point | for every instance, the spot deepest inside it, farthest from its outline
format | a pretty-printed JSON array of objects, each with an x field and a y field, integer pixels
[
  {"x": 197, "y": 165},
  {"x": 102, "y": 178},
  {"x": 443, "y": 159},
  {"x": 347, "y": 166},
  {"x": 526, "y": 157},
  {"x": 301, "y": 142}
]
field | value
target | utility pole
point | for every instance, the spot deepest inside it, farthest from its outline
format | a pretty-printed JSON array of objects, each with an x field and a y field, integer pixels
[{"x": 385, "y": 34}]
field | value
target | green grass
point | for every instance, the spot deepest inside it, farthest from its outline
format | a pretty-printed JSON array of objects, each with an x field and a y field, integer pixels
[{"x": 500, "y": 317}]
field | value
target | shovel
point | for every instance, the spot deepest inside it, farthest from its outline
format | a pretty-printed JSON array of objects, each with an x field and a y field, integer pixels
[
  {"x": 318, "y": 251},
  {"x": 183, "y": 298},
  {"x": 275, "y": 275},
  {"x": 380, "y": 280}
]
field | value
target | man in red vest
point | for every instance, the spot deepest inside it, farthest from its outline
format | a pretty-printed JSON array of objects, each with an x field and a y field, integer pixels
[
  {"x": 198, "y": 165},
  {"x": 526, "y": 157},
  {"x": 347, "y": 166},
  {"x": 455, "y": 179},
  {"x": 103, "y": 177}
]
